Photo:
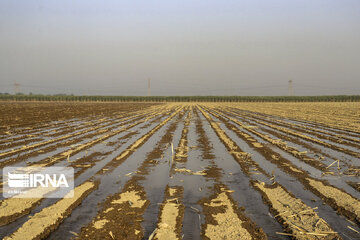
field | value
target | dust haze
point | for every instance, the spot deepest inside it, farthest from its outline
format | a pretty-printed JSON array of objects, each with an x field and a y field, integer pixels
[{"x": 184, "y": 47}]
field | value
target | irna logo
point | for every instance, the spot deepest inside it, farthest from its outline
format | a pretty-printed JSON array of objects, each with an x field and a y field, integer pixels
[
  {"x": 35, "y": 180},
  {"x": 38, "y": 182}
]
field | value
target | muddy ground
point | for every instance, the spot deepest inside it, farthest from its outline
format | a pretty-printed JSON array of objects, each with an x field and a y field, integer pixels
[{"x": 186, "y": 170}]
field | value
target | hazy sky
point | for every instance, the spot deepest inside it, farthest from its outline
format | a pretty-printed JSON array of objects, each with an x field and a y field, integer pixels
[{"x": 186, "y": 47}]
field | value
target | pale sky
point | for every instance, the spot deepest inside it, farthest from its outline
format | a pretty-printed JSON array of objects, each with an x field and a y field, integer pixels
[{"x": 186, "y": 47}]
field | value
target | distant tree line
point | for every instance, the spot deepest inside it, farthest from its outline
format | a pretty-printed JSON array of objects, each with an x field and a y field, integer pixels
[{"x": 64, "y": 97}]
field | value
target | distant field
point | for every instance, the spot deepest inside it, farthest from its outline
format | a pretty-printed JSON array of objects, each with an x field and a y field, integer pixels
[
  {"x": 187, "y": 170},
  {"x": 344, "y": 115},
  {"x": 70, "y": 98}
]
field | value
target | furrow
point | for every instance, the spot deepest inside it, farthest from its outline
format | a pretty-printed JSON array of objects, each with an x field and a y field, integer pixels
[
  {"x": 45, "y": 221},
  {"x": 125, "y": 209},
  {"x": 36, "y": 145},
  {"x": 65, "y": 154},
  {"x": 329, "y": 135},
  {"x": 330, "y": 194},
  {"x": 24, "y": 205},
  {"x": 246, "y": 162},
  {"x": 309, "y": 138}
]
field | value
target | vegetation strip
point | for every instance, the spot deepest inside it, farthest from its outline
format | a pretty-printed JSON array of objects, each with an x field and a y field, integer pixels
[
  {"x": 66, "y": 154},
  {"x": 245, "y": 162},
  {"x": 246, "y": 99},
  {"x": 313, "y": 131},
  {"x": 238, "y": 225},
  {"x": 65, "y": 129},
  {"x": 340, "y": 198},
  {"x": 70, "y": 152},
  {"x": 309, "y": 138},
  {"x": 171, "y": 215},
  {"x": 141, "y": 140},
  {"x": 332, "y": 195},
  {"x": 126, "y": 208},
  {"x": 341, "y": 116},
  {"x": 50, "y": 160},
  {"x": 182, "y": 149},
  {"x": 223, "y": 219},
  {"x": 299, "y": 219},
  {"x": 23, "y": 206},
  {"x": 243, "y": 158},
  {"x": 277, "y": 142},
  {"x": 13, "y": 208},
  {"x": 24, "y": 148},
  {"x": 305, "y": 137},
  {"x": 43, "y": 114}
]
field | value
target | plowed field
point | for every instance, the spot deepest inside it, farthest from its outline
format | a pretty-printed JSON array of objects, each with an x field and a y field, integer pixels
[{"x": 187, "y": 170}]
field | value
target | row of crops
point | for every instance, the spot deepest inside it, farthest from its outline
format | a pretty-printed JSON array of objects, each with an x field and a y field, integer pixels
[
  {"x": 325, "y": 98},
  {"x": 186, "y": 171}
]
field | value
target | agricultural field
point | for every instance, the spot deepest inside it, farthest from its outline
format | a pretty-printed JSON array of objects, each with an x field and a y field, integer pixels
[{"x": 186, "y": 170}]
